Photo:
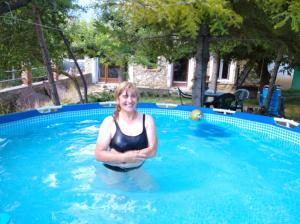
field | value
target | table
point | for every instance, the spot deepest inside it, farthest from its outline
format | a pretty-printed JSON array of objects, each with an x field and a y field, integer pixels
[{"x": 210, "y": 96}]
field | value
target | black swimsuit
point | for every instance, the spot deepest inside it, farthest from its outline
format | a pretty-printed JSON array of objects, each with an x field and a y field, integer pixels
[{"x": 123, "y": 143}]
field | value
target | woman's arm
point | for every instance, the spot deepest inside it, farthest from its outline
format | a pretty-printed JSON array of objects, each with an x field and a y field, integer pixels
[
  {"x": 104, "y": 137},
  {"x": 150, "y": 151}
]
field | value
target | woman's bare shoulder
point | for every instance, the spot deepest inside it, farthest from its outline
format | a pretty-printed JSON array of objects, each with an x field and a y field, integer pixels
[
  {"x": 149, "y": 119},
  {"x": 108, "y": 121},
  {"x": 148, "y": 116}
]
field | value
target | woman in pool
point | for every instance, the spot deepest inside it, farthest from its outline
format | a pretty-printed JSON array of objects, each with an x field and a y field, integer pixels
[{"x": 127, "y": 138}]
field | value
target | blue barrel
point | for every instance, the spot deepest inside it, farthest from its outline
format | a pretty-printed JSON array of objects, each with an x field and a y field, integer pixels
[{"x": 274, "y": 107}]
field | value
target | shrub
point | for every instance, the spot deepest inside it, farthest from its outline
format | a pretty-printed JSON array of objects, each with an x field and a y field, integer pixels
[
  {"x": 101, "y": 97},
  {"x": 9, "y": 107}
]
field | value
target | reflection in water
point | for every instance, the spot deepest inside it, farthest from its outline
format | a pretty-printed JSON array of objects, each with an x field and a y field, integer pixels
[
  {"x": 109, "y": 196},
  {"x": 3, "y": 143},
  {"x": 87, "y": 130},
  {"x": 210, "y": 131},
  {"x": 51, "y": 180},
  {"x": 108, "y": 208},
  {"x": 133, "y": 180}
]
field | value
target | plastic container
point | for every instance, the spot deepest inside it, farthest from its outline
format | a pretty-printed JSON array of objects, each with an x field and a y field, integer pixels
[{"x": 274, "y": 107}]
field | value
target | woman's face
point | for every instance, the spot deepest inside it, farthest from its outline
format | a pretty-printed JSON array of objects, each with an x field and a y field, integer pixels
[{"x": 128, "y": 100}]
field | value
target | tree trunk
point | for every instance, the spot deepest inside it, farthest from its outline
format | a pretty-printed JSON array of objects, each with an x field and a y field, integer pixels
[
  {"x": 76, "y": 63},
  {"x": 273, "y": 80},
  {"x": 244, "y": 74},
  {"x": 45, "y": 53},
  {"x": 77, "y": 87},
  {"x": 216, "y": 71},
  {"x": 202, "y": 58},
  {"x": 264, "y": 75},
  {"x": 236, "y": 75},
  {"x": 67, "y": 44}
]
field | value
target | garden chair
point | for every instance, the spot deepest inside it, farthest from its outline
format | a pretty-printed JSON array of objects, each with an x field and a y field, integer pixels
[
  {"x": 224, "y": 101},
  {"x": 183, "y": 95},
  {"x": 240, "y": 96}
]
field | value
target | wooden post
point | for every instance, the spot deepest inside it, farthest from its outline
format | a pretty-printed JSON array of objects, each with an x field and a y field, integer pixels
[
  {"x": 26, "y": 76},
  {"x": 106, "y": 72},
  {"x": 55, "y": 72}
]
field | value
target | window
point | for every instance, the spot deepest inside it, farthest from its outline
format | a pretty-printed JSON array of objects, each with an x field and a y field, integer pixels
[{"x": 224, "y": 71}]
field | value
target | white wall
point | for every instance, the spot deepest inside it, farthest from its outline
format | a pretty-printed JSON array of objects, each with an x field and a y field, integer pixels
[
  {"x": 170, "y": 75},
  {"x": 191, "y": 72},
  {"x": 130, "y": 73}
]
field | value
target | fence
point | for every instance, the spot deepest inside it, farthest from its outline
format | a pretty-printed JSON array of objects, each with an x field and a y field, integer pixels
[
  {"x": 14, "y": 77},
  {"x": 25, "y": 97}
]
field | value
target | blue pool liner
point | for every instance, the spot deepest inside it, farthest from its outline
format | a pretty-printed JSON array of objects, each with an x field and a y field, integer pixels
[
  {"x": 4, "y": 218},
  {"x": 187, "y": 108}
]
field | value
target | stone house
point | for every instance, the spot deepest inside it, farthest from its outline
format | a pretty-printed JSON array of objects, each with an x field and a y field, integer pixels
[
  {"x": 181, "y": 74},
  {"x": 167, "y": 75}
]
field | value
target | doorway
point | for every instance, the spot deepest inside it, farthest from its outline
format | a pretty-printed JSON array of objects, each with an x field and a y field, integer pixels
[
  {"x": 180, "y": 73},
  {"x": 109, "y": 73}
]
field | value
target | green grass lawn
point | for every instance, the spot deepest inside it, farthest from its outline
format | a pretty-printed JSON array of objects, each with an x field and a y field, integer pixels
[
  {"x": 170, "y": 99},
  {"x": 292, "y": 104},
  {"x": 292, "y": 109}
]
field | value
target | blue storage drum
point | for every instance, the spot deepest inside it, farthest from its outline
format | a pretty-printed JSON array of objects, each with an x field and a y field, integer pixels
[{"x": 274, "y": 107}]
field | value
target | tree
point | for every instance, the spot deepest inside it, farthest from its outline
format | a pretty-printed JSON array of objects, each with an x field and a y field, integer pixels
[
  {"x": 284, "y": 17},
  {"x": 269, "y": 33},
  {"x": 8, "y": 6},
  {"x": 18, "y": 40},
  {"x": 185, "y": 25},
  {"x": 70, "y": 52},
  {"x": 45, "y": 53},
  {"x": 22, "y": 45},
  {"x": 251, "y": 42},
  {"x": 96, "y": 39}
]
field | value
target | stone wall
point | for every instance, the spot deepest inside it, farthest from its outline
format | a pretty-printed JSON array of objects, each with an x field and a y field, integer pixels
[
  {"x": 25, "y": 97},
  {"x": 153, "y": 78},
  {"x": 226, "y": 88}
]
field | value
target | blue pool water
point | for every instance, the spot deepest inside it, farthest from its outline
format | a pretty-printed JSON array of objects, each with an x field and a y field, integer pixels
[{"x": 204, "y": 172}]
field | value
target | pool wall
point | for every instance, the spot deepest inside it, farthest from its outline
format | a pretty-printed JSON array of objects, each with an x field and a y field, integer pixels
[{"x": 12, "y": 123}]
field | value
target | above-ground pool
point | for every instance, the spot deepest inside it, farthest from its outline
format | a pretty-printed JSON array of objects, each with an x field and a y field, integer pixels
[{"x": 224, "y": 168}]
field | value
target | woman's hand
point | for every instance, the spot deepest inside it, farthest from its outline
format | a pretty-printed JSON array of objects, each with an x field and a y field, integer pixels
[{"x": 133, "y": 156}]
